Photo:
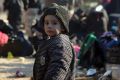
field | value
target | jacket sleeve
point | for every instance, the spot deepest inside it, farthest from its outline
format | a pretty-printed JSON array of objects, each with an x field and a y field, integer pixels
[{"x": 60, "y": 60}]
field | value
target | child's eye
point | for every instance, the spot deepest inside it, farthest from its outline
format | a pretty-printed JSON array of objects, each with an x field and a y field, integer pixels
[
  {"x": 46, "y": 23},
  {"x": 55, "y": 23}
]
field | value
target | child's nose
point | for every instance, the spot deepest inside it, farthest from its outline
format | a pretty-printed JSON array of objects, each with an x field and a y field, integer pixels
[{"x": 50, "y": 26}]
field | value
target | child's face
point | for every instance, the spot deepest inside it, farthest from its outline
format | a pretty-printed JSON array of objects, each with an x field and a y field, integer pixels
[{"x": 52, "y": 25}]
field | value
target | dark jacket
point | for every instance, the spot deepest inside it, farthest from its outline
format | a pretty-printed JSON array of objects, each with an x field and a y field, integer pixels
[{"x": 54, "y": 62}]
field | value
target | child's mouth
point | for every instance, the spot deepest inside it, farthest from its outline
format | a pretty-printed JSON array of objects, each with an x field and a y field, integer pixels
[{"x": 49, "y": 31}]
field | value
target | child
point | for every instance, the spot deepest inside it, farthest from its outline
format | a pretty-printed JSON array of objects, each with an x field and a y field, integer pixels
[{"x": 56, "y": 60}]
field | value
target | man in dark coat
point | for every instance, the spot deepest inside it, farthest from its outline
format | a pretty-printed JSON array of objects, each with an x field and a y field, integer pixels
[{"x": 15, "y": 10}]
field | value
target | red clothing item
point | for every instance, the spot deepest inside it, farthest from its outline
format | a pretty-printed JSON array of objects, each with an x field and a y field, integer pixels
[
  {"x": 76, "y": 49},
  {"x": 3, "y": 39}
]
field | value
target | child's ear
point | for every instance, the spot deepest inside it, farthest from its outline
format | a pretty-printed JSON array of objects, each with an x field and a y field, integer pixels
[{"x": 62, "y": 30}]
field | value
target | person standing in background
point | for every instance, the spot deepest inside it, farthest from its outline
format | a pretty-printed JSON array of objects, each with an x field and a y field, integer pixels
[
  {"x": 15, "y": 9},
  {"x": 31, "y": 15}
]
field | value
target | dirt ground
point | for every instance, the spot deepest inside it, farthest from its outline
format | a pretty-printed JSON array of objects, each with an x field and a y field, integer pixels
[{"x": 8, "y": 67}]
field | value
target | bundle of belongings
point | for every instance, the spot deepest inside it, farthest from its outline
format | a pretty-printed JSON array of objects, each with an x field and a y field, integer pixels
[
  {"x": 111, "y": 43},
  {"x": 91, "y": 58},
  {"x": 13, "y": 42}
]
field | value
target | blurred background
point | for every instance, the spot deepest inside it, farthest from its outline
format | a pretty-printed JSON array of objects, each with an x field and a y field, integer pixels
[{"x": 20, "y": 32}]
